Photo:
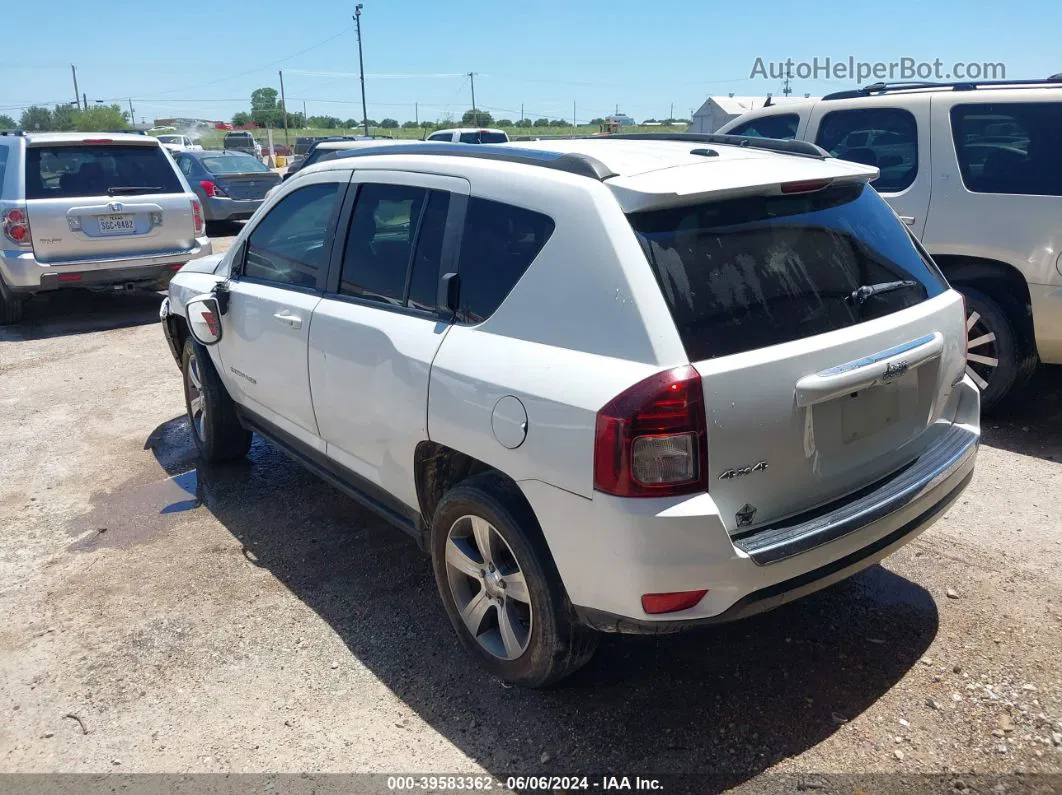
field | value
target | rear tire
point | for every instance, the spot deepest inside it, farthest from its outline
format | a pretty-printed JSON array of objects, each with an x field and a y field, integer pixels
[
  {"x": 10, "y": 306},
  {"x": 527, "y": 632},
  {"x": 996, "y": 360},
  {"x": 216, "y": 429}
]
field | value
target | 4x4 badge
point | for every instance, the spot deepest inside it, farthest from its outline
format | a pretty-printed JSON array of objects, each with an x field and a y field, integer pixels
[
  {"x": 745, "y": 515},
  {"x": 740, "y": 472}
]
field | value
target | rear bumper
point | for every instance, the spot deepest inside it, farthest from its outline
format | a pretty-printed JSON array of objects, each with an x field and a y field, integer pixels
[
  {"x": 610, "y": 551},
  {"x": 1047, "y": 321},
  {"x": 216, "y": 208},
  {"x": 22, "y": 273}
]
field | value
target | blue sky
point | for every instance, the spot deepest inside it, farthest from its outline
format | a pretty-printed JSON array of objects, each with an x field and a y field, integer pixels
[{"x": 172, "y": 60}]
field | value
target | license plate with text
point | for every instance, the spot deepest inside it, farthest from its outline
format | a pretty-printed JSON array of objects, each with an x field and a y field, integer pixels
[{"x": 116, "y": 224}]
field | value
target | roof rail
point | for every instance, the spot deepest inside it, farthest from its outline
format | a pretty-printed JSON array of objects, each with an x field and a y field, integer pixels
[
  {"x": 962, "y": 85},
  {"x": 786, "y": 147},
  {"x": 582, "y": 165}
]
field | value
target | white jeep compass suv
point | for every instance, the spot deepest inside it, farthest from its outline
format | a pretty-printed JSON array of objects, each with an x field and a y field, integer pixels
[
  {"x": 975, "y": 170},
  {"x": 624, "y": 385}
]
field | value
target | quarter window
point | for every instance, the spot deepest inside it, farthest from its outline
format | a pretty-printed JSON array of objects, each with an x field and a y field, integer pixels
[
  {"x": 290, "y": 246},
  {"x": 782, "y": 125},
  {"x": 1009, "y": 147},
  {"x": 498, "y": 244},
  {"x": 883, "y": 137}
]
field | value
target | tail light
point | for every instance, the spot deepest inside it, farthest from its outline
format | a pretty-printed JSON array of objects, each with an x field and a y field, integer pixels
[
  {"x": 212, "y": 190},
  {"x": 197, "y": 218},
  {"x": 15, "y": 223},
  {"x": 652, "y": 440}
]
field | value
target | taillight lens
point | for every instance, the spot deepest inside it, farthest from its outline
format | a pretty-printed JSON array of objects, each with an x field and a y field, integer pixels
[
  {"x": 197, "y": 217},
  {"x": 211, "y": 189},
  {"x": 15, "y": 223},
  {"x": 652, "y": 440}
]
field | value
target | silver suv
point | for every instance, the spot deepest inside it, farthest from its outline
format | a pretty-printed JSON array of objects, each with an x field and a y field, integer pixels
[
  {"x": 94, "y": 210},
  {"x": 975, "y": 170}
]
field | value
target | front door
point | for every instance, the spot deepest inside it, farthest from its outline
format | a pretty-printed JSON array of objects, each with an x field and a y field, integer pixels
[{"x": 275, "y": 286}]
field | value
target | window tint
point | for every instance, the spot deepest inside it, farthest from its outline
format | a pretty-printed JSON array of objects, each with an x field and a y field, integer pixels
[
  {"x": 424, "y": 279},
  {"x": 882, "y": 137},
  {"x": 1010, "y": 147},
  {"x": 498, "y": 244},
  {"x": 747, "y": 273},
  {"x": 379, "y": 242},
  {"x": 66, "y": 172},
  {"x": 483, "y": 137},
  {"x": 441, "y": 137},
  {"x": 290, "y": 245},
  {"x": 783, "y": 125},
  {"x": 236, "y": 163}
]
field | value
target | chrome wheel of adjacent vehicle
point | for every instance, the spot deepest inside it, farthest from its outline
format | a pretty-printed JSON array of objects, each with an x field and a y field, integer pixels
[
  {"x": 197, "y": 407},
  {"x": 982, "y": 358},
  {"x": 488, "y": 587}
]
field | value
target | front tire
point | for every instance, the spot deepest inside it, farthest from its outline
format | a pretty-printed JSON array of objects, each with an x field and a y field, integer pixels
[
  {"x": 216, "y": 429},
  {"x": 500, "y": 587}
]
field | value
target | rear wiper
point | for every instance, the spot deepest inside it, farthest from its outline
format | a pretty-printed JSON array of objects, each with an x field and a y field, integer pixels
[
  {"x": 126, "y": 190},
  {"x": 867, "y": 291}
]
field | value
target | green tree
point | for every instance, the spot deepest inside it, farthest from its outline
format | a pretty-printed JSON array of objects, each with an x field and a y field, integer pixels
[
  {"x": 410, "y": 125},
  {"x": 558, "y": 123},
  {"x": 264, "y": 107},
  {"x": 524, "y": 123},
  {"x": 101, "y": 117},
  {"x": 389, "y": 124},
  {"x": 428, "y": 125},
  {"x": 504, "y": 122},
  {"x": 6, "y": 122},
  {"x": 370, "y": 122},
  {"x": 64, "y": 118},
  {"x": 324, "y": 122},
  {"x": 36, "y": 118},
  {"x": 543, "y": 122},
  {"x": 241, "y": 119},
  {"x": 597, "y": 122},
  {"x": 350, "y": 124},
  {"x": 476, "y": 118}
]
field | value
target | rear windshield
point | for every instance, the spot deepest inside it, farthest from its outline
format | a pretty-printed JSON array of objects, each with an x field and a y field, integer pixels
[
  {"x": 234, "y": 164},
  {"x": 746, "y": 273},
  {"x": 484, "y": 138},
  {"x": 67, "y": 172}
]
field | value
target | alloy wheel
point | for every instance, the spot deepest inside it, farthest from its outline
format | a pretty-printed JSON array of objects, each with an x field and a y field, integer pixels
[
  {"x": 982, "y": 357},
  {"x": 196, "y": 400},
  {"x": 488, "y": 587}
]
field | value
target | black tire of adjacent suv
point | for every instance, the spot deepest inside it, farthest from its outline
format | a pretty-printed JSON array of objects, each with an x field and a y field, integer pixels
[
  {"x": 219, "y": 436},
  {"x": 10, "y": 306},
  {"x": 559, "y": 645},
  {"x": 1014, "y": 367}
]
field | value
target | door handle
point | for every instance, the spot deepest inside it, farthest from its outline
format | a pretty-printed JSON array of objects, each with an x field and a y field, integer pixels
[
  {"x": 286, "y": 317},
  {"x": 908, "y": 219}
]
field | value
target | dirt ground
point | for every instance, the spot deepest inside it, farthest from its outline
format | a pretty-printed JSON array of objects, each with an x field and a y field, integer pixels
[{"x": 158, "y": 615}]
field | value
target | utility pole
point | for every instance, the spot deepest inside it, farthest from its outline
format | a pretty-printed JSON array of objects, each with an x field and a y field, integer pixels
[
  {"x": 787, "y": 89},
  {"x": 416, "y": 113},
  {"x": 361, "y": 69},
  {"x": 132, "y": 113},
  {"x": 284, "y": 104},
  {"x": 84, "y": 99},
  {"x": 574, "y": 125},
  {"x": 475, "y": 113},
  {"x": 73, "y": 71},
  {"x": 671, "y": 115},
  {"x": 521, "y": 111},
  {"x": 304, "y": 124}
]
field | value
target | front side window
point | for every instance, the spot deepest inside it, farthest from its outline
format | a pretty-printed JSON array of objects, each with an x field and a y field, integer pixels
[
  {"x": 742, "y": 274},
  {"x": 883, "y": 137},
  {"x": 783, "y": 125},
  {"x": 290, "y": 246},
  {"x": 77, "y": 171},
  {"x": 498, "y": 245},
  {"x": 440, "y": 137},
  {"x": 1008, "y": 147}
]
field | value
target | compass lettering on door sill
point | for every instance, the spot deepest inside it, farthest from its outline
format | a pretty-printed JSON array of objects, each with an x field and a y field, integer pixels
[
  {"x": 740, "y": 472},
  {"x": 745, "y": 515}
]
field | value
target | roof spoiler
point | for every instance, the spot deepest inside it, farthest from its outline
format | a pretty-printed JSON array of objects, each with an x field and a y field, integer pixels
[{"x": 785, "y": 147}]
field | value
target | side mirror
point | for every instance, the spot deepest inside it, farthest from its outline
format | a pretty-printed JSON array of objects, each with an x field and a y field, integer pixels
[{"x": 204, "y": 319}]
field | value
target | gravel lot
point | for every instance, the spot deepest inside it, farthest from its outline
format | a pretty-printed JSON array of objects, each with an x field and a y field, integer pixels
[{"x": 162, "y": 616}]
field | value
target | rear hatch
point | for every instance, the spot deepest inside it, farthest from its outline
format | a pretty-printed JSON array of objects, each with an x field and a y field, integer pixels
[
  {"x": 240, "y": 176},
  {"x": 825, "y": 339},
  {"x": 105, "y": 199}
]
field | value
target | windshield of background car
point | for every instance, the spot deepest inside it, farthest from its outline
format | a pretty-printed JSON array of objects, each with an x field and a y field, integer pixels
[
  {"x": 65, "y": 172},
  {"x": 170, "y": 139},
  {"x": 484, "y": 138},
  {"x": 234, "y": 164},
  {"x": 746, "y": 273}
]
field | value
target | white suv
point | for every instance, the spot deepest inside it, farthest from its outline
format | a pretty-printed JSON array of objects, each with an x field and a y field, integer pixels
[
  {"x": 975, "y": 170},
  {"x": 102, "y": 211},
  {"x": 470, "y": 135},
  {"x": 620, "y": 385}
]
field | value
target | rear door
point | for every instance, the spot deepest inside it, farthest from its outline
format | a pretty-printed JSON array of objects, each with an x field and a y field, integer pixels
[
  {"x": 98, "y": 200},
  {"x": 827, "y": 344},
  {"x": 377, "y": 330},
  {"x": 896, "y": 140},
  {"x": 276, "y": 284}
]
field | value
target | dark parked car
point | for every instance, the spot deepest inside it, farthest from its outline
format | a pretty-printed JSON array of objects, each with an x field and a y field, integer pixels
[
  {"x": 241, "y": 141},
  {"x": 231, "y": 185}
]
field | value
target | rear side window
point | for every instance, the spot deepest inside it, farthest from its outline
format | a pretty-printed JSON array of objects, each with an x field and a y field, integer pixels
[
  {"x": 498, "y": 244},
  {"x": 3, "y": 165},
  {"x": 68, "y": 172},
  {"x": 290, "y": 246},
  {"x": 746, "y": 273},
  {"x": 483, "y": 138},
  {"x": 1010, "y": 147},
  {"x": 883, "y": 137},
  {"x": 783, "y": 125}
]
